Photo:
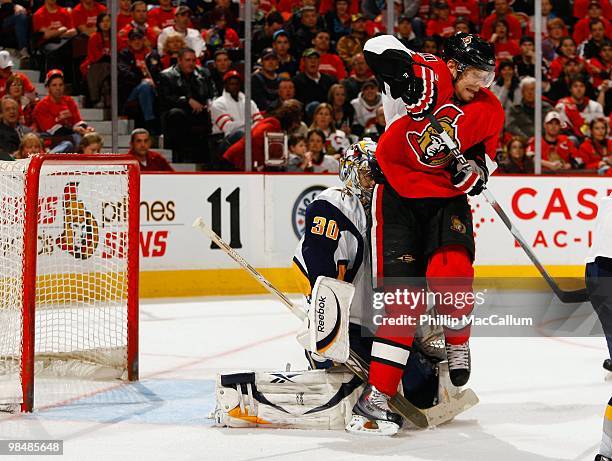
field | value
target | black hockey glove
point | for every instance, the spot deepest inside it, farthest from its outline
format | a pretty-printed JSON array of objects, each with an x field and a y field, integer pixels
[
  {"x": 471, "y": 178},
  {"x": 408, "y": 87}
]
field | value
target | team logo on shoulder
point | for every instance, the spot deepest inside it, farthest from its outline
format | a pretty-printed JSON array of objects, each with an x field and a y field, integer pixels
[
  {"x": 298, "y": 213},
  {"x": 428, "y": 146},
  {"x": 457, "y": 225}
]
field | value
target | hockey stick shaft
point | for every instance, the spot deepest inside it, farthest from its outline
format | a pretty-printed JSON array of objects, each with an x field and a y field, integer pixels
[
  {"x": 355, "y": 363},
  {"x": 565, "y": 296},
  {"x": 203, "y": 227}
]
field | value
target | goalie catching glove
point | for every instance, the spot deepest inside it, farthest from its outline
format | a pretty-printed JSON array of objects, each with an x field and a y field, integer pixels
[{"x": 471, "y": 178}]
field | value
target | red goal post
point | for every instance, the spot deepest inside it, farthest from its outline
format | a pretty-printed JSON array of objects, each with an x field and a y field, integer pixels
[{"x": 69, "y": 269}]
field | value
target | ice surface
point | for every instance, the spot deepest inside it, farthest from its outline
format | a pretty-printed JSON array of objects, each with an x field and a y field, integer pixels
[{"x": 541, "y": 398}]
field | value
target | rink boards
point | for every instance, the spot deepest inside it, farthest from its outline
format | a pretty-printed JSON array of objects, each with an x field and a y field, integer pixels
[{"x": 262, "y": 217}]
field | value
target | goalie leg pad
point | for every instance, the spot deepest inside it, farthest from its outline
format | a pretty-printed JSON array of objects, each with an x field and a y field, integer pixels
[
  {"x": 314, "y": 399},
  {"x": 326, "y": 330}
]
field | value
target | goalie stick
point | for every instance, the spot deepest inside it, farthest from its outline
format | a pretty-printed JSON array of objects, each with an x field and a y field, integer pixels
[
  {"x": 574, "y": 296},
  {"x": 446, "y": 410}
]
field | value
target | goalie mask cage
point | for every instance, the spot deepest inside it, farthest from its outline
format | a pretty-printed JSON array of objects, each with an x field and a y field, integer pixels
[{"x": 69, "y": 230}]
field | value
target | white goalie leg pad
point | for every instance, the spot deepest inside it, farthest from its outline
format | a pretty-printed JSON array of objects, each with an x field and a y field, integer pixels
[
  {"x": 326, "y": 331},
  {"x": 313, "y": 399}
]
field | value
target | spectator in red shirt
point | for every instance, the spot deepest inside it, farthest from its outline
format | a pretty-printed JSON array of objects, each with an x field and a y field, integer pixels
[
  {"x": 565, "y": 51},
  {"x": 329, "y": 63},
  {"x": 220, "y": 35},
  {"x": 54, "y": 25},
  {"x": 327, "y": 6},
  {"x": 590, "y": 48},
  {"x": 505, "y": 48},
  {"x": 502, "y": 11},
  {"x": 139, "y": 21},
  {"x": 57, "y": 114},
  {"x": 442, "y": 23},
  {"x": 6, "y": 71},
  {"x": 467, "y": 9},
  {"x": 85, "y": 15},
  {"x": 140, "y": 147},
  {"x": 124, "y": 17},
  {"x": 581, "y": 28},
  {"x": 577, "y": 110},
  {"x": 16, "y": 91},
  {"x": 286, "y": 118},
  {"x": 601, "y": 66},
  {"x": 96, "y": 66},
  {"x": 557, "y": 149},
  {"x": 596, "y": 151},
  {"x": 162, "y": 16}
]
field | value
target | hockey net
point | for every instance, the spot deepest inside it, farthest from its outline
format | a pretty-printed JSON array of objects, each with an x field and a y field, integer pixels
[{"x": 68, "y": 271}]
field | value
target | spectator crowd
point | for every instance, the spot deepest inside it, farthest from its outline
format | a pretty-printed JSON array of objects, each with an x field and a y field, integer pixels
[{"x": 181, "y": 75}]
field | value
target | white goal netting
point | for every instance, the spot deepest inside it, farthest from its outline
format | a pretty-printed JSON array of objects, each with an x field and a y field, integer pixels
[{"x": 81, "y": 293}]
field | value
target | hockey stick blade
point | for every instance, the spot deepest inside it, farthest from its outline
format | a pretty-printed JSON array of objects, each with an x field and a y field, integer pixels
[
  {"x": 355, "y": 364},
  {"x": 575, "y": 296}
]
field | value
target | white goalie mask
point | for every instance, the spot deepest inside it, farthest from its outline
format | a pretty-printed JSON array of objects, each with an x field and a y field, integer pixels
[{"x": 356, "y": 169}]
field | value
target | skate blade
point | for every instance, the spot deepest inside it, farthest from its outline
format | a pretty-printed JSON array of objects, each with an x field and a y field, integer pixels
[
  {"x": 446, "y": 410},
  {"x": 608, "y": 376},
  {"x": 363, "y": 426}
]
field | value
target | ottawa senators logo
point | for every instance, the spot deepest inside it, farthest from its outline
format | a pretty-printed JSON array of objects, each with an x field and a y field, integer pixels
[
  {"x": 81, "y": 232},
  {"x": 428, "y": 146},
  {"x": 457, "y": 225}
]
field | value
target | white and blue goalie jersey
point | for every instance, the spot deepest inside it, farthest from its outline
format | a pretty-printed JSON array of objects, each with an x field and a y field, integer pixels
[{"x": 335, "y": 244}]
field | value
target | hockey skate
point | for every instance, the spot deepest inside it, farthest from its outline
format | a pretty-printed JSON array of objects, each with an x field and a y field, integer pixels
[
  {"x": 602, "y": 458},
  {"x": 459, "y": 363},
  {"x": 372, "y": 415}
]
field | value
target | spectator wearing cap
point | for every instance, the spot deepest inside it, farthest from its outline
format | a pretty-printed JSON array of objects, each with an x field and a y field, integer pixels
[
  {"x": 329, "y": 63},
  {"x": 558, "y": 150},
  {"x": 139, "y": 21},
  {"x": 140, "y": 147},
  {"x": 524, "y": 62},
  {"x": 193, "y": 38},
  {"x": 14, "y": 15},
  {"x": 406, "y": 35},
  {"x": 442, "y": 23},
  {"x": 136, "y": 80},
  {"x": 286, "y": 118},
  {"x": 312, "y": 86},
  {"x": 304, "y": 32},
  {"x": 365, "y": 106},
  {"x": 221, "y": 64},
  {"x": 96, "y": 66},
  {"x": 162, "y": 16},
  {"x": 590, "y": 48},
  {"x": 263, "y": 38},
  {"x": 264, "y": 82},
  {"x": 338, "y": 19},
  {"x": 227, "y": 110},
  {"x": 57, "y": 114},
  {"x": 505, "y": 47},
  {"x": 502, "y": 10},
  {"x": 577, "y": 110},
  {"x": 53, "y": 24},
  {"x": 11, "y": 131},
  {"x": 6, "y": 71},
  {"x": 281, "y": 44},
  {"x": 185, "y": 92},
  {"x": 85, "y": 16},
  {"x": 351, "y": 44},
  {"x": 360, "y": 72},
  {"x": 520, "y": 117},
  {"x": 582, "y": 27}
]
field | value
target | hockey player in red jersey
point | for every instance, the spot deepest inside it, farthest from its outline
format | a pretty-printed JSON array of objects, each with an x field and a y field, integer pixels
[{"x": 422, "y": 234}]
